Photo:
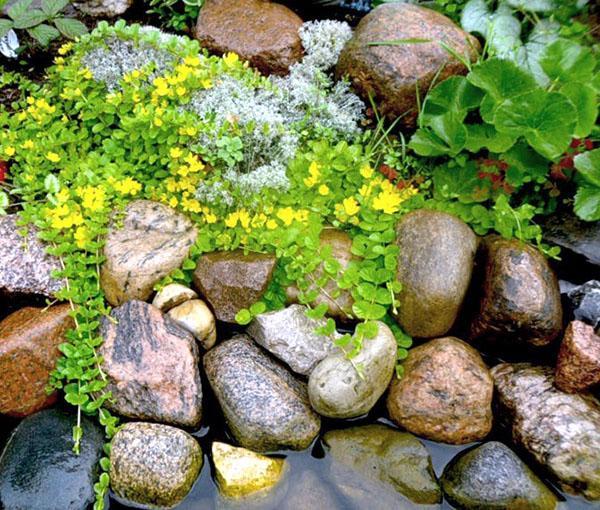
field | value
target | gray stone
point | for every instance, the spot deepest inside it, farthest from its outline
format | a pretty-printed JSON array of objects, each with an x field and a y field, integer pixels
[
  {"x": 491, "y": 476},
  {"x": 290, "y": 335},
  {"x": 435, "y": 265},
  {"x": 336, "y": 389},
  {"x": 152, "y": 465},
  {"x": 381, "y": 454},
  {"x": 585, "y": 303},
  {"x": 309, "y": 491},
  {"x": 26, "y": 267},
  {"x": 561, "y": 431},
  {"x": 265, "y": 406},
  {"x": 103, "y": 8}
]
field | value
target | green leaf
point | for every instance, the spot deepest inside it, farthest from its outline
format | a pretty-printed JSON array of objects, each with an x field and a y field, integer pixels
[
  {"x": 584, "y": 98},
  {"x": 51, "y": 184},
  {"x": 368, "y": 311},
  {"x": 459, "y": 183},
  {"x": 587, "y": 203},
  {"x": 70, "y": 27},
  {"x": 525, "y": 165},
  {"x": 588, "y": 166},
  {"x": 528, "y": 57},
  {"x": 567, "y": 61},
  {"x": 243, "y": 317},
  {"x": 53, "y": 7},
  {"x": 5, "y": 26},
  {"x": 44, "y": 34},
  {"x": 30, "y": 19},
  {"x": 501, "y": 79},
  {"x": 533, "y": 5},
  {"x": 3, "y": 202},
  {"x": 19, "y": 8},
  {"x": 481, "y": 136},
  {"x": 455, "y": 94},
  {"x": 475, "y": 17},
  {"x": 504, "y": 33}
]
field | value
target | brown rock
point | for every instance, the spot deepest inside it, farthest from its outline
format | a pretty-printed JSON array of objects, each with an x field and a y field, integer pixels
[
  {"x": 230, "y": 280},
  {"x": 520, "y": 297},
  {"x": 153, "y": 241},
  {"x": 578, "y": 367},
  {"x": 339, "y": 302},
  {"x": 391, "y": 73},
  {"x": 445, "y": 393},
  {"x": 152, "y": 366},
  {"x": 264, "y": 33},
  {"x": 435, "y": 265},
  {"x": 29, "y": 340}
]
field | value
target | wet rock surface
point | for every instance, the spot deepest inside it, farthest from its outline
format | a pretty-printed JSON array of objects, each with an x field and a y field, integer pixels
[
  {"x": 194, "y": 316},
  {"x": 231, "y": 280},
  {"x": 153, "y": 465},
  {"x": 151, "y": 241},
  {"x": 38, "y": 469},
  {"x": 520, "y": 298},
  {"x": 172, "y": 295},
  {"x": 29, "y": 340},
  {"x": 445, "y": 393},
  {"x": 265, "y": 406},
  {"x": 578, "y": 365},
  {"x": 103, "y": 8},
  {"x": 584, "y": 302},
  {"x": 435, "y": 265},
  {"x": 152, "y": 365},
  {"x": 561, "y": 431},
  {"x": 492, "y": 476},
  {"x": 309, "y": 491}
]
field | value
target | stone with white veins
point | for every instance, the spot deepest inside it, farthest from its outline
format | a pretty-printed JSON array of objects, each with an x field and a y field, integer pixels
[
  {"x": 172, "y": 295},
  {"x": 196, "y": 317},
  {"x": 290, "y": 335}
]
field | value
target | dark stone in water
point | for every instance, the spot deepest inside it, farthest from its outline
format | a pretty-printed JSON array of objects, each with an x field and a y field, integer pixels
[
  {"x": 585, "y": 303},
  {"x": 38, "y": 469}
]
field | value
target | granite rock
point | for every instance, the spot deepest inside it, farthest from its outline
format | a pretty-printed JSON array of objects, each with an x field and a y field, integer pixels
[
  {"x": 578, "y": 365},
  {"x": 103, "y": 8},
  {"x": 584, "y": 301}
]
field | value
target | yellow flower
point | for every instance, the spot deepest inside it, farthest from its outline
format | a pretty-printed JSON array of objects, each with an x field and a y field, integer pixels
[
  {"x": 351, "y": 206},
  {"x": 366, "y": 171},
  {"x": 128, "y": 186},
  {"x": 314, "y": 173},
  {"x": 175, "y": 153},
  {"x": 191, "y": 61},
  {"x": 210, "y": 217},
  {"x": 86, "y": 73},
  {"x": 191, "y": 205},
  {"x": 272, "y": 224},
  {"x": 63, "y": 195},
  {"x": 191, "y": 131},
  {"x": 388, "y": 202},
  {"x": 232, "y": 219},
  {"x": 65, "y": 48},
  {"x": 92, "y": 197},
  {"x": 173, "y": 202},
  {"x": 53, "y": 157},
  {"x": 244, "y": 218},
  {"x": 158, "y": 122},
  {"x": 286, "y": 215},
  {"x": 230, "y": 59},
  {"x": 181, "y": 91},
  {"x": 81, "y": 236},
  {"x": 9, "y": 151},
  {"x": 207, "y": 83},
  {"x": 323, "y": 189},
  {"x": 27, "y": 144}
]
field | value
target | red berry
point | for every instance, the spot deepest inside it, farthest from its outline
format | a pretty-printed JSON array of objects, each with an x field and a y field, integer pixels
[
  {"x": 589, "y": 145},
  {"x": 576, "y": 142},
  {"x": 566, "y": 162},
  {"x": 3, "y": 170},
  {"x": 503, "y": 165}
]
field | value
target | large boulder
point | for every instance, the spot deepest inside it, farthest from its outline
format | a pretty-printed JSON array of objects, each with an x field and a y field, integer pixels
[
  {"x": 232, "y": 280},
  {"x": 397, "y": 460},
  {"x": 578, "y": 365},
  {"x": 337, "y": 389},
  {"x": 142, "y": 248},
  {"x": 491, "y": 476},
  {"x": 26, "y": 267},
  {"x": 38, "y": 469},
  {"x": 520, "y": 298},
  {"x": 265, "y": 406},
  {"x": 263, "y": 33},
  {"x": 153, "y": 465},
  {"x": 29, "y": 340},
  {"x": 393, "y": 73},
  {"x": 290, "y": 335},
  {"x": 445, "y": 393},
  {"x": 152, "y": 366},
  {"x": 561, "y": 431},
  {"x": 435, "y": 265}
]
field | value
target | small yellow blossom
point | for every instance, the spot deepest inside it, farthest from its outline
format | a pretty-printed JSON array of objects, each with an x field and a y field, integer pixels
[
  {"x": 53, "y": 157},
  {"x": 65, "y": 48},
  {"x": 173, "y": 202},
  {"x": 271, "y": 224},
  {"x": 93, "y": 198},
  {"x": 9, "y": 151},
  {"x": 191, "y": 61},
  {"x": 286, "y": 215},
  {"x": 209, "y": 217},
  {"x": 351, "y": 206},
  {"x": 175, "y": 153},
  {"x": 27, "y": 144},
  {"x": 314, "y": 175},
  {"x": 232, "y": 219},
  {"x": 128, "y": 186},
  {"x": 366, "y": 171},
  {"x": 244, "y": 218},
  {"x": 81, "y": 236},
  {"x": 323, "y": 190},
  {"x": 158, "y": 122},
  {"x": 231, "y": 59}
]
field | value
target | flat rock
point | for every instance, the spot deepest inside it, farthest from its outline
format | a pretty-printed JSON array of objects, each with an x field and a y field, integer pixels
[
  {"x": 231, "y": 280},
  {"x": 172, "y": 295},
  {"x": 336, "y": 389},
  {"x": 103, "y": 8},
  {"x": 578, "y": 366},
  {"x": 435, "y": 265},
  {"x": 392, "y": 73},
  {"x": 265, "y": 406},
  {"x": 153, "y": 465},
  {"x": 26, "y": 267},
  {"x": 290, "y": 335},
  {"x": 38, "y": 469},
  {"x": 584, "y": 302},
  {"x": 263, "y": 33},
  {"x": 152, "y": 366},
  {"x": 145, "y": 246},
  {"x": 29, "y": 340},
  {"x": 561, "y": 431},
  {"x": 195, "y": 317},
  {"x": 491, "y": 476},
  {"x": 308, "y": 490},
  {"x": 520, "y": 298},
  {"x": 445, "y": 393},
  {"x": 381, "y": 454}
]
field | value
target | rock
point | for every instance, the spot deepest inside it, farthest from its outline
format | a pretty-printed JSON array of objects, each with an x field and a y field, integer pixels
[
  {"x": 335, "y": 388},
  {"x": 578, "y": 366},
  {"x": 153, "y": 241},
  {"x": 584, "y": 300},
  {"x": 435, "y": 265},
  {"x": 230, "y": 280},
  {"x": 491, "y": 476},
  {"x": 153, "y": 465},
  {"x": 26, "y": 267},
  {"x": 559, "y": 430},
  {"x": 194, "y": 316},
  {"x": 290, "y": 335},
  {"x": 29, "y": 340},
  {"x": 520, "y": 302},
  {"x": 152, "y": 366},
  {"x": 265, "y": 406},
  {"x": 396, "y": 459},
  {"x": 339, "y": 301},
  {"x": 392, "y": 73},
  {"x": 241, "y": 473},
  {"x": 172, "y": 295},
  {"x": 103, "y": 8},
  {"x": 445, "y": 393},
  {"x": 309, "y": 491},
  {"x": 264, "y": 33},
  {"x": 38, "y": 469}
]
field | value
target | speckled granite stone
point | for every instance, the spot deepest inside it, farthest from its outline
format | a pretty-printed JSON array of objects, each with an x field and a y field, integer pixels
[
  {"x": 578, "y": 365},
  {"x": 151, "y": 241},
  {"x": 26, "y": 267},
  {"x": 103, "y": 8},
  {"x": 264, "y": 405},
  {"x": 29, "y": 340},
  {"x": 152, "y": 365},
  {"x": 152, "y": 465}
]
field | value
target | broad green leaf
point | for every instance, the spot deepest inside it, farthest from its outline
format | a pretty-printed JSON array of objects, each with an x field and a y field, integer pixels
[
  {"x": 460, "y": 183},
  {"x": 587, "y": 203},
  {"x": 525, "y": 165},
  {"x": 70, "y": 27},
  {"x": 501, "y": 79},
  {"x": 504, "y": 33},
  {"x": 30, "y": 19},
  {"x": 588, "y": 166},
  {"x": 455, "y": 94},
  {"x": 584, "y": 98},
  {"x": 53, "y": 7},
  {"x": 533, "y": 5},
  {"x": 425, "y": 143},
  {"x": 528, "y": 57},
  {"x": 51, "y": 184},
  {"x": 475, "y": 17},
  {"x": 5, "y": 26},
  {"x": 44, "y": 34},
  {"x": 449, "y": 128},
  {"x": 567, "y": 61},
  {"x": 18, "y": 9},
  {"x": 481, "y": 136}
]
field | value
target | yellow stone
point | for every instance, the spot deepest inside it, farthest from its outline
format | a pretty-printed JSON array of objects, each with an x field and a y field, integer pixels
[{"x": 242, "y": 473}]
